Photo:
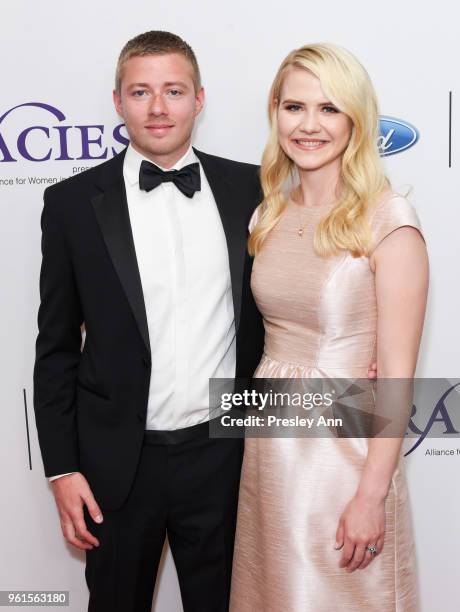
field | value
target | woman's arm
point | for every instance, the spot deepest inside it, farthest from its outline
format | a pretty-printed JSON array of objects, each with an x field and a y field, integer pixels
[{"x": 400, "y": 263}]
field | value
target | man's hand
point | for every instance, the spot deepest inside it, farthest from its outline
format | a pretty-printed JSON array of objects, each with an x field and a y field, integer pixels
[
  {"x": 71, "y": 493},
  {"x": 372, "y": 371}
]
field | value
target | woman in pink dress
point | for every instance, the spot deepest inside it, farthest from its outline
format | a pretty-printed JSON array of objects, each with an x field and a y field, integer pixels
[{"x": 340, "y": 276}]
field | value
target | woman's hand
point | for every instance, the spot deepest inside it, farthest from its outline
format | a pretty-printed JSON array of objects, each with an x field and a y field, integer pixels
[{"x": 362, "y": 524}]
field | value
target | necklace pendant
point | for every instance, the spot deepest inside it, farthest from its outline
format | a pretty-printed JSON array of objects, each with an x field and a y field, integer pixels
[{"x": 300, "y": 232}]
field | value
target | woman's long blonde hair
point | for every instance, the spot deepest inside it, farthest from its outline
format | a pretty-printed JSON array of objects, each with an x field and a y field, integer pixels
[{"x": 345, "y": 81}]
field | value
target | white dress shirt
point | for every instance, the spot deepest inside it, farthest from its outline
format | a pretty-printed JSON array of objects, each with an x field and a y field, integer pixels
[{"x": 183, "y": 263}]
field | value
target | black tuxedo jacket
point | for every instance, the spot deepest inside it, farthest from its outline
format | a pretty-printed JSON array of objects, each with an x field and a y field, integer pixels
[{"x": 91, "y": 403}]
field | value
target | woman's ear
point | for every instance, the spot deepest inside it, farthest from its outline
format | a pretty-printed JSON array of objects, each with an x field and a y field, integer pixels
[{"x": 274, "y": 106}]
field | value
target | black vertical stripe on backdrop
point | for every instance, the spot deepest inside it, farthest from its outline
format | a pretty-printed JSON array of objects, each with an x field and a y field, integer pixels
[
  {"x": 450, "y": 129},
  {"x": 27, "y": 428}
]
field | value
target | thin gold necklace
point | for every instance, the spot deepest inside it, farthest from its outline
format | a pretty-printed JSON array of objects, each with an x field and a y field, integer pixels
[{"x": 302, "y": 225}]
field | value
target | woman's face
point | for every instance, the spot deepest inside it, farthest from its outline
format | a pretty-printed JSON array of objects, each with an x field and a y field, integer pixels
[{"x": 311, "y": 130}]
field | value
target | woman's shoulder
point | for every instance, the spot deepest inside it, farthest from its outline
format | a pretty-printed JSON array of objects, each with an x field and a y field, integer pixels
[
  {"x": 391, "y": 212},
  {"x": 392, "y": 206}
]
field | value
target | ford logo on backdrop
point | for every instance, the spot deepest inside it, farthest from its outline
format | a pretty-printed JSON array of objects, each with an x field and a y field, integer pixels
[{"x": 395, "y": 136}]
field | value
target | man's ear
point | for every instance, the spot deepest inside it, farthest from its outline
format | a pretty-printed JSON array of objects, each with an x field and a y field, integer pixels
[
  {"x": 117, "y": 102},
  {"x": 199, "y": 101}
]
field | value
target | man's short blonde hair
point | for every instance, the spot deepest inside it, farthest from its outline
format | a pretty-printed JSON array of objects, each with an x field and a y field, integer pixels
[{"x": 156, "y": 42}]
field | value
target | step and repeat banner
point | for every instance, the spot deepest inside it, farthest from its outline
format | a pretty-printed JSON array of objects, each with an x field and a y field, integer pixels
[{"x": 57, "y": 119}]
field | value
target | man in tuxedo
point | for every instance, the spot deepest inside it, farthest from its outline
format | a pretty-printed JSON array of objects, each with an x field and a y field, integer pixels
[{"x": 148, "y": 252}]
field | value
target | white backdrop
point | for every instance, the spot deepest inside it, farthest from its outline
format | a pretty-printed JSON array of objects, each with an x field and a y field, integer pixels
[{"x": 64, "y": 54}]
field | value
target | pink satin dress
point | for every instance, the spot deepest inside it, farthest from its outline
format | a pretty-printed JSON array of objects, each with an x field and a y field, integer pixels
[{"x": 320, "y": 318}]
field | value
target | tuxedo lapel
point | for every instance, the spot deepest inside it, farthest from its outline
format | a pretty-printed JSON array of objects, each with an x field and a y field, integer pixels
[
  {"x": 226, "y": 193},
  {"x": 111, "y": 209}
]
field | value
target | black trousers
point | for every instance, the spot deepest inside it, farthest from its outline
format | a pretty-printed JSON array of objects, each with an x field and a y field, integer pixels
[{"x": 189, "y": 491}]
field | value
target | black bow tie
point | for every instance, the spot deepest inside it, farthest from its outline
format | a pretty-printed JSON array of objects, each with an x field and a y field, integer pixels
[{"x": 187, "y": 179}]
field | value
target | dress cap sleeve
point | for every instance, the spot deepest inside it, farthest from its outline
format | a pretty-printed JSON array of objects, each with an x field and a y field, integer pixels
[
  {"x": 254, "y": 219},
  {"x": 394, "y": 212}
]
